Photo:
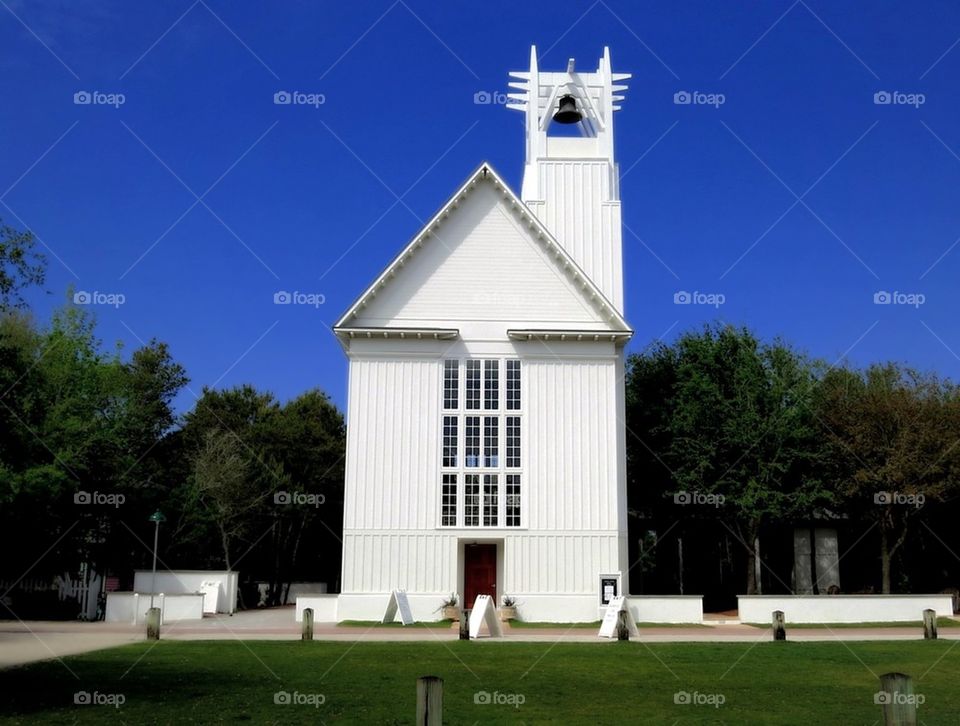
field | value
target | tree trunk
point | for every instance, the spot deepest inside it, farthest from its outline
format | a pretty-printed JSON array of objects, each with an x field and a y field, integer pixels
[
  {"x": 753, "y": 530},
  {"x": 884, "y": 561}
]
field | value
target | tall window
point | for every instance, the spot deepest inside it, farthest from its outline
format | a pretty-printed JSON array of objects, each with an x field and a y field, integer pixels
[{"x": 481, "y": 462}]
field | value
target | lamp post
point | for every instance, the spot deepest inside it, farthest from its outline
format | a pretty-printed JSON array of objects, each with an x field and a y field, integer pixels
[{"x": 156, "y": 518}]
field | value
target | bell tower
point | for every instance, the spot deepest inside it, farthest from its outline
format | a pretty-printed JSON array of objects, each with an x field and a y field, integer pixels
[{"x": 571, "y": 183}]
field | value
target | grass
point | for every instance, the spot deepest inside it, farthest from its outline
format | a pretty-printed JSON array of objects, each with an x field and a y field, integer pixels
[
  {"x": 560, "y": 683},
  {"x": 942, "y": 622},
  {"x": 595, "y": 625},
  {"x": 443, "y": 624}
]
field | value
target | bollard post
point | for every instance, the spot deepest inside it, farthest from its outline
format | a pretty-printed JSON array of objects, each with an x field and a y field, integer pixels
[
  {"x": 779, "y": 627},
  {"x": 929, "y": 624},
  {"x": 429, "y": 701},
  {"x": 897, "y": 700},
  {"x": 153, "y": 624},
  {"x": 307, "y": 626},
  {"x": 623, "y": 630},
  {"x": 464, "y": 624}
]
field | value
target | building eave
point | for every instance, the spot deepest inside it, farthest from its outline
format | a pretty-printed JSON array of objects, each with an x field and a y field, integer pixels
[
  {"x": 348, "y": 333},
  {"x": 615, "y": 336}
]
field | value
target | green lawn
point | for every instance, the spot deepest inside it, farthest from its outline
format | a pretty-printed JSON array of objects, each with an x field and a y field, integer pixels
[
  {"x": 567, "y": 683},
  {"x": 918, "y": 624}
]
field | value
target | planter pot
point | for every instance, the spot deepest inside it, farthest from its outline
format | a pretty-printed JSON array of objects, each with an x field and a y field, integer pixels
[
  {"x": 450, "y": 612},
  {"x": 508, "y": 613}
]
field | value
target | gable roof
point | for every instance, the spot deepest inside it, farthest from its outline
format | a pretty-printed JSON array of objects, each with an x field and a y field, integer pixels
[{"x": 486, "y": 174}]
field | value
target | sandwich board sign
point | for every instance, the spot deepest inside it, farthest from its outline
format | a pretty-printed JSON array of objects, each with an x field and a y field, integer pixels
[
  {"x": 398, "y": 601},
  {"x": 608, "y": 628},
  {"x": 211, "y": 595},
  {"x": 484, "y": 612}
]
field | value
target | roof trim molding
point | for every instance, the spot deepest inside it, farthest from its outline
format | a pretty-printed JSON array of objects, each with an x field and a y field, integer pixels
[
  {"x": 541, "y": 234},
  {"x": 402, "y": 333},
  {"x": 615, "y": 336}
]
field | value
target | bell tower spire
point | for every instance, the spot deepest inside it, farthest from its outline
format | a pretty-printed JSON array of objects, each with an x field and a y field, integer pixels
[{"x": 572, "y": 182}]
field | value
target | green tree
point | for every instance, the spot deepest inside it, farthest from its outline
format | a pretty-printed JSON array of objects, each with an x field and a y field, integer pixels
[{"x": 21, "y": 266}]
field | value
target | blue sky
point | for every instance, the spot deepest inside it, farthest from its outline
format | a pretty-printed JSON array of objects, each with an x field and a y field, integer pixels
[{"x": 797, "y": 198}]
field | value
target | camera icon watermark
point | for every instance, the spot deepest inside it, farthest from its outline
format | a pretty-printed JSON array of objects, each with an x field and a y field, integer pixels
[
  {"x": 490, "y": 98},
  {"x": 295, "y": 698},
  {"x": 885, "y": 698},
  {"x": 99, "y": 499},
  {"x": 86, "y": 698},
  {"x": 897, "y": 98},
  {"x": 315, "y": 299},
  {"x": 682, "y": 297},
  {"x": 695, "y": 698},
  {"x": 882, "y": 297},
  {"x": 113, "y": 299},
  {"x": 301, "y": 499},
  {"x": 900, "y": 499},
  {"x": 698, "y": 98},
  {"x": 298, "y": 98},
  {"x": 485, "y": 698},
  {"x": 685, "y": 498},
  {"x": 98, "y": 98}
]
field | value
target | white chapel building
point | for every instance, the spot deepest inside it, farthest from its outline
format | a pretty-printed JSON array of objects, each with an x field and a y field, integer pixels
[{"x": 485, "y": 414}]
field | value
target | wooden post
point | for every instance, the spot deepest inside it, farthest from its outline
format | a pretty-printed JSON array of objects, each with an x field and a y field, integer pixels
[
  {"x": 307, "y": 630},
  {"x": 779, "y": 628},
  {"x": 896, "y": 699},
  {"x": 464, "y": 624},
  {"x": 929, "y": 624},
  {"x": 430, "y": 701},
  {"x": 153, "y": 624},
  {"x": 623, "y": 631}
]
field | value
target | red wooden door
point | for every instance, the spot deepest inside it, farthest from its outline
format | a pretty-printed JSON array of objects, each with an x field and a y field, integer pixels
[{"x": 479, "y": 572}]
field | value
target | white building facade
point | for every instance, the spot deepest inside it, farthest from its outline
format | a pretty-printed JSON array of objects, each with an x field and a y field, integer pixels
[{"x": 485, "y": 434}]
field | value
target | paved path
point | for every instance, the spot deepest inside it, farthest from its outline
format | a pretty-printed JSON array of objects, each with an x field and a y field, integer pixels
[{"x": 41, "y": 640}]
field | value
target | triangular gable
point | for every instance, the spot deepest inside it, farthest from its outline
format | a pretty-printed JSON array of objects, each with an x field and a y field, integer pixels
[{"x": 512, "y": 233}]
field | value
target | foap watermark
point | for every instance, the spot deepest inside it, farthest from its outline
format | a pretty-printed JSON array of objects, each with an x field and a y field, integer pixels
[
  {"x": 282, "y": 297},
  {"x": 682, "y": 297},
  {"x": 114, "y": 299},
  {"x": 899, "y": 499},
  {"x": 99, "y": 499},
  {"x": 490, "y": 98},
  {"x": 695, "y": 698},
  {"x": 86, "y": 698},
  {"x": 298, "y": 98},
  {"x": 698, "y": 98},
  {"x": 885, "y": 698},
  {"x": 295, "y": 698},
  {"x": 98, "y": 98},
  {"x": 485, "y": 698},
  {"x": 882, "y": 297},
  {"x": 698, "y": 498},
  {"x": 301, "y": 499},
  {"x": 898, "y": 98}
]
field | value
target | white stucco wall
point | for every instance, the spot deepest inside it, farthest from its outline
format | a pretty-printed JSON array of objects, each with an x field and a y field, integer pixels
[
  {"x": 189, "y": 581},
  {"x": 131, "y": 607},
  {"x": 842, "y": 608}
]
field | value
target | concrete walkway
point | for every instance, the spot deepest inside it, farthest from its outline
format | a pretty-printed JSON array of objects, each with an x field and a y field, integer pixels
[{"x": 32, "y": 641}]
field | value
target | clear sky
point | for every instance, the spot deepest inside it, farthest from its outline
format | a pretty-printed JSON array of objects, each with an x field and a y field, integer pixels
[{"x": 794, "y": 194}]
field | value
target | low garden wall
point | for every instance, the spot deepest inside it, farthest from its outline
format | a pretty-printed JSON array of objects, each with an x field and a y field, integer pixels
[
  {"x": 131, "y": 607},
  {"x": 842, "y": 608}
]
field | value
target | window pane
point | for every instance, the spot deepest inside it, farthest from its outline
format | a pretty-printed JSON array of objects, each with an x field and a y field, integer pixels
[
  {"x": 513, "y": 441},
  {"x": 490, "y": 504},
  {"x": 491, "y": 385},
  {"x": 473, "y": 384},
  {"x": 449, "y": 501},
  {"x": 471, "y": 500},
  {"x": 513, "y": 500},
  {"x": 513, "y": 385},
  {"x": 450, "y": 441},
  {"x": 472, "y": 441},
  {"x": 451, "y": 384},
  {"x": 491, "y": 444}
]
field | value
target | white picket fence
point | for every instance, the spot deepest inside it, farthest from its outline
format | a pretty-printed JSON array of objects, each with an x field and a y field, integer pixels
[{"x": 85, "y": 590}]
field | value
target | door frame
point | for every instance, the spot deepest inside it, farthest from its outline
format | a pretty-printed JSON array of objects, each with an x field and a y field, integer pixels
[{"x": 461, "y": 565}]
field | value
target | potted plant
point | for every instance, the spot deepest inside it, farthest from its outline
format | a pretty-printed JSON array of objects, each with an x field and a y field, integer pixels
[
  {"x": 509, "y": 609},
  {"x": 449, "y": 609}
]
